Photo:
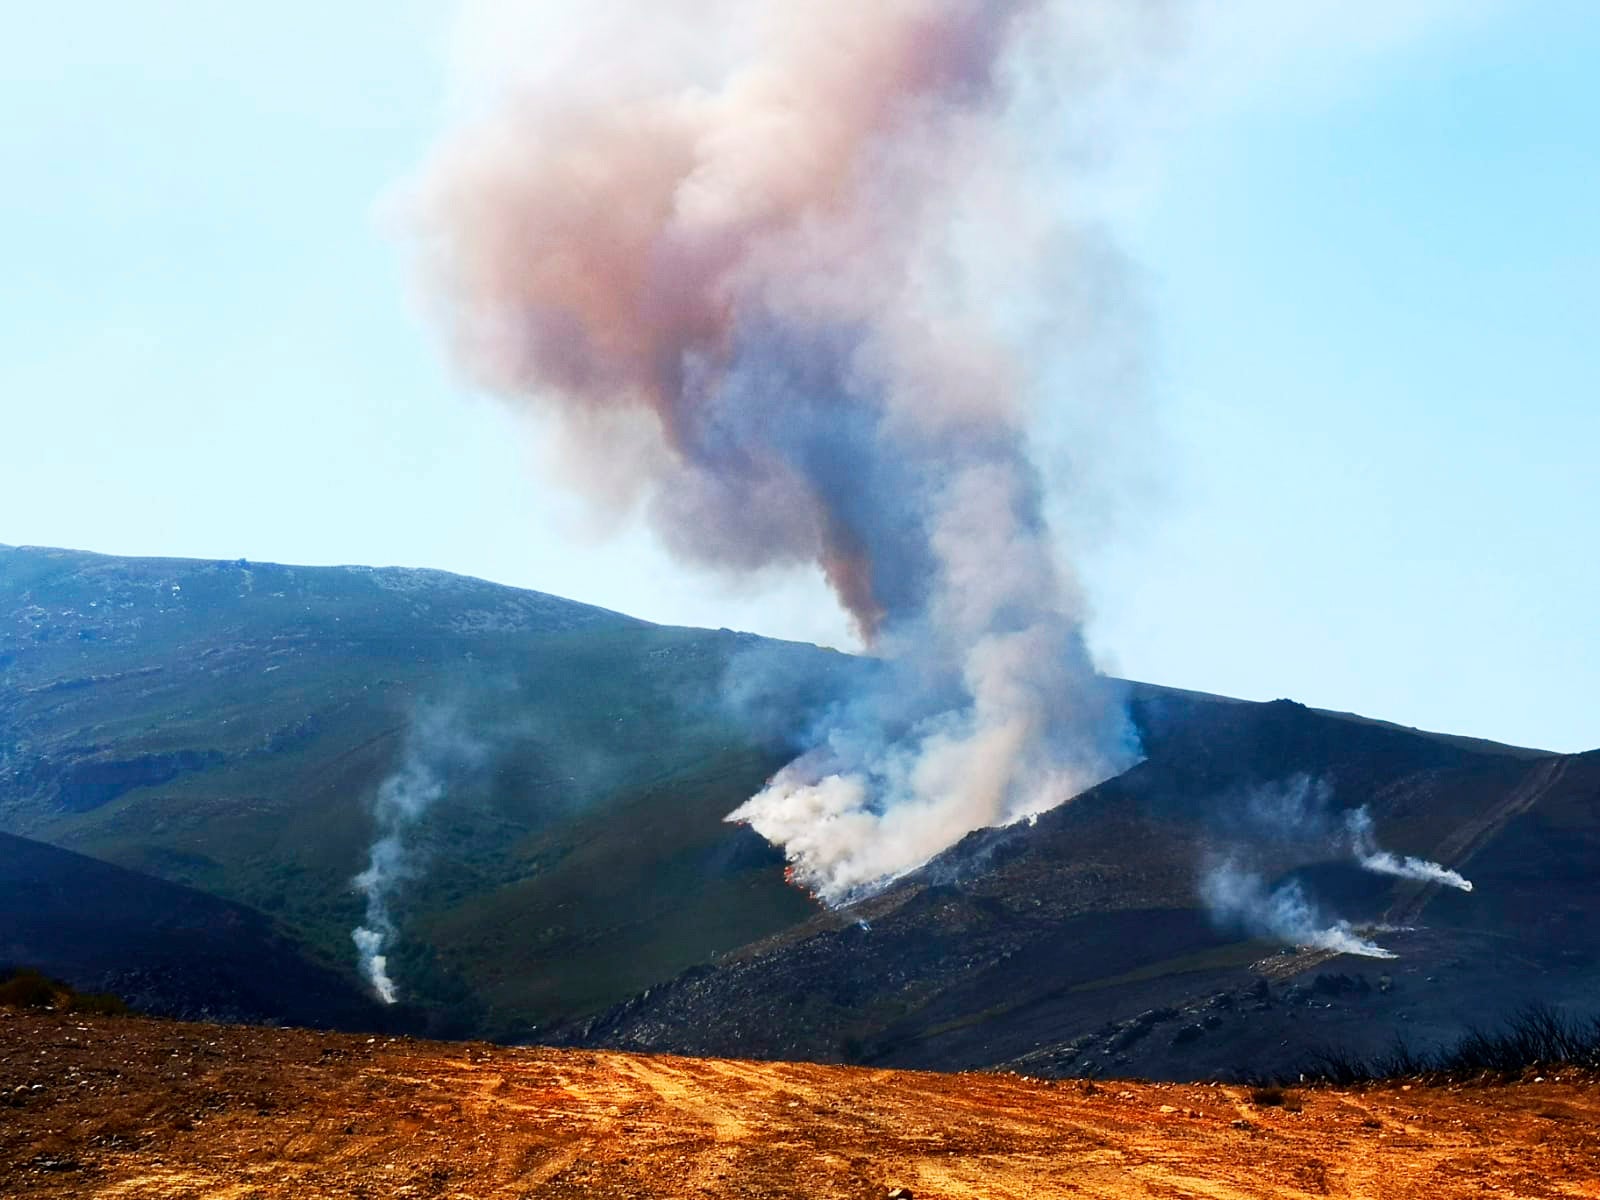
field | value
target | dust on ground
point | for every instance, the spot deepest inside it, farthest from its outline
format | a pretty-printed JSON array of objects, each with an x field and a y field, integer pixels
[{"x": 122, "y": 1107}]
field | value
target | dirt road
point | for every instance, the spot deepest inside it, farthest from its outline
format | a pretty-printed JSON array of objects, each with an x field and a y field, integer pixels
[{"x": 133, "y": 1108}]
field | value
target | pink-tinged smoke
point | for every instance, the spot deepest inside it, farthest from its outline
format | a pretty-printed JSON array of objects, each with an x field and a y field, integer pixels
[{"x": 773, "y": 292}]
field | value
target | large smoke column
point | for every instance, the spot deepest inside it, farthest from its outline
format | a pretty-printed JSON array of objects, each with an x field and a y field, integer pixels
[
  {"x": 435, "y": 746},
  {"x": 776, "y": 291}
]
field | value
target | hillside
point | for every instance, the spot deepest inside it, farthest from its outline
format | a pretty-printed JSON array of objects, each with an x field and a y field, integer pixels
[
  {"x": 169, "y": 950},
  {"x": 1077, "y": 946},
  {"x": 113, "y": 1107},
  {"x": 229, "y": 726}
]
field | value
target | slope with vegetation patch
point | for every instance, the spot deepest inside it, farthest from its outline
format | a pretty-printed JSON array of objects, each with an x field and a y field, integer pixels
[{"x": 227, "y": 726}]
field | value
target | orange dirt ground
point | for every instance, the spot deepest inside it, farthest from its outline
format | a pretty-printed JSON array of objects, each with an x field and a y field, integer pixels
[{"x": 110, "y": 1107}]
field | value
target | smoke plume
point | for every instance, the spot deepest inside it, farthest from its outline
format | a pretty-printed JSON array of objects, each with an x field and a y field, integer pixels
[
  {"x": 1363, "y": 843},
  {"x": 787, "y": 278},
  {"x": 435, "y": 747},
  {"x": 1238, "y": 896},
  {"x": 1297, "y": 818},
  {"x": 1300, "y": 811}
]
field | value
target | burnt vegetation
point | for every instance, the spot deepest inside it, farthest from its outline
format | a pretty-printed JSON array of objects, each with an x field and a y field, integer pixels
[
  {"x": 27, "y": 988},
  {"x": 1537, "y": 1039}
]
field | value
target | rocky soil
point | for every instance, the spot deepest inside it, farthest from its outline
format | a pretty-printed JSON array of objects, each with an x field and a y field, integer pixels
[{"x": 111, "y": 1107}]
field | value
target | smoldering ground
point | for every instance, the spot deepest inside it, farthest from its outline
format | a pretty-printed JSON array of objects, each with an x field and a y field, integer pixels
[
  {"x": 438, "y": 750},
  {"x": 492, "y": 752},
  {"x": 1294, "y": 822}
]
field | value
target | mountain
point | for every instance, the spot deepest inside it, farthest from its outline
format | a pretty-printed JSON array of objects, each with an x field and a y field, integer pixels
[
  {"x": 227, "y": 726},
  {"x": 230, "y": 726}
]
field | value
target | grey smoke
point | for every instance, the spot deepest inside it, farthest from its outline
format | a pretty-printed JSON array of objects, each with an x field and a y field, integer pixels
[{"x": 436, "y": 747}]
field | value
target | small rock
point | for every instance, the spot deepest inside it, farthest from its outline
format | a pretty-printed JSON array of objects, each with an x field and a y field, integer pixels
[
  {"x": 1166, "y": 1108},
  {"x": 900, "y": 1194},
  {"x": 46, "y": 1163}
]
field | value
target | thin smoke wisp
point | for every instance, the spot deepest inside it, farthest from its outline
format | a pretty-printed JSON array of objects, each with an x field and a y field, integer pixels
[
  {"x": 784, "y": 278},
  {"x": 1297, "y": 817},
  {"x": 1364, "y": 845},
  {"x": 435, "y": 746},
  {"x": 1238, "y": 896}
]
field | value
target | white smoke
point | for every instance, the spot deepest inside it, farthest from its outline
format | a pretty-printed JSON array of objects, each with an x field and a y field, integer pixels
[
  {"x": 1364, "y": 845},
  {"x": 370, "y": 940},
  {"x": 1297, "y": 817},
  {"x": 1300, "y": 811},
  {"x": 879, "y": 797},
  {"x": 435, "y": 745},
  {"x": 1238, "y": 896}
]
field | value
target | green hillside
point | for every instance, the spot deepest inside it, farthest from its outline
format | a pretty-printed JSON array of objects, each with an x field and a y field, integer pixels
[{"x": 226, "y": 725}]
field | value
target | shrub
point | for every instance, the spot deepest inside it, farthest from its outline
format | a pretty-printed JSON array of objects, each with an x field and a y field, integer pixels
[
  {"x": 1535, "y": 1038},
  {"x": 1275, "y": 1097},
  {"x": 98, "y": 1004},
  {"x": 24, "y": 987},
  {"x": 27, "y": 988}
]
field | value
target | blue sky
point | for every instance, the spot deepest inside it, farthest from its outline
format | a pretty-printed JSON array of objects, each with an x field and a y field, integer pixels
[{"x": 1368, "y": 256}]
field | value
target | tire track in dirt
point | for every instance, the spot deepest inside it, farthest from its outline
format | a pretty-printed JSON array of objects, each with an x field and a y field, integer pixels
[
  {"x": 1455, "y": 850},
  {"x": 680, "y": 1091},
  {"x": 1458, "y": 847},
  {"x": 304, "y": 1116}
]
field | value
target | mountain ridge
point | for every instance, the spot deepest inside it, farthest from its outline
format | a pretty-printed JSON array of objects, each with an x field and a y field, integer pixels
[{"x": 227, "y": 725}]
